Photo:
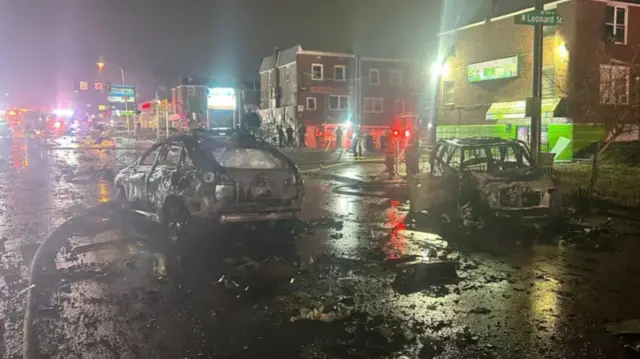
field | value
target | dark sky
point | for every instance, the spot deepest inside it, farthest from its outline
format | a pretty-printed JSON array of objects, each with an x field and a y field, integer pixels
[{"x": 46, "y": 44}]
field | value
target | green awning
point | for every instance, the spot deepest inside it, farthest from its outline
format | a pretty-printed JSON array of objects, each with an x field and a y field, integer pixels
[{"x": 551, "y": 107}]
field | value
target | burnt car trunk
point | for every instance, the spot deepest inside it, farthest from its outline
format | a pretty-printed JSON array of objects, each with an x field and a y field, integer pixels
[{"x": 259, "y": 189}]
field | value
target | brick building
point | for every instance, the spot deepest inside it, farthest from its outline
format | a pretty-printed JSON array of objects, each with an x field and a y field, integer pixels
[
  {"x": 487, "y": 74},
  {"x": 320, "y": 89}
]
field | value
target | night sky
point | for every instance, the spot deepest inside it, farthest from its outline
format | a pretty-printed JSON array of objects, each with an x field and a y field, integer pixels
[{"x": 47, "y": 44}]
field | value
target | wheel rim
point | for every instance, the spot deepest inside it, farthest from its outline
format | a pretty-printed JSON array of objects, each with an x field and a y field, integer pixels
[
  {"x": 122, "y": 198},
  {"x": 175, "y": 223}
]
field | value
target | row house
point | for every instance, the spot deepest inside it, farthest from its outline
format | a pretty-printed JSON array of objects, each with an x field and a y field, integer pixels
[
  {"x": 324, "y": 90},
  {"x": 589, "y": 74}
]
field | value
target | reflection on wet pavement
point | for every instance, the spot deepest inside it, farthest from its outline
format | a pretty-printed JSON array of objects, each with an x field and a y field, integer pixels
[{"x": 355, "y": 278}]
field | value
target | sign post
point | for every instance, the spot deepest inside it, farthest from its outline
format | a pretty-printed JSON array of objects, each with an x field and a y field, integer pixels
[{"x": 538, "y": 18}]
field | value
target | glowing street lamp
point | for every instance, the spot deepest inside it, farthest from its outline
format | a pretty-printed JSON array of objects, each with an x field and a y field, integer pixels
[{"x": 101, "y": 63}]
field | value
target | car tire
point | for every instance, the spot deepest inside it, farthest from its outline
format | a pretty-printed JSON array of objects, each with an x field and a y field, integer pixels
[
  {"x": 122, "y": 199},
  {"x": 176, "y": 220},
  {"x": 176, "y": 224}
]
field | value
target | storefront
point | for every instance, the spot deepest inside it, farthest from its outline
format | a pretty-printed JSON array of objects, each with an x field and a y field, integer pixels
[{"x": 508, "y": 120}]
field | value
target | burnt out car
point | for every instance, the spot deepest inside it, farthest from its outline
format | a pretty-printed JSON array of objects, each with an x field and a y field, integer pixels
[
  {"x": 492, "y": 177},
  {"x": 220, "y": 179}
]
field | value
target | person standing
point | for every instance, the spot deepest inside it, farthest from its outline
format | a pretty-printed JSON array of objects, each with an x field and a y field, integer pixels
[
  {"x": 339, "y": 137},
  {"x": 280, "y": 136},
  {"x": 289, "y": 136},
  {"x": 356, "y": 146},
  {"x": 302, "y": 132},
  {"x": 318, "y": 134},
  {"x": 390, "y": 153}
]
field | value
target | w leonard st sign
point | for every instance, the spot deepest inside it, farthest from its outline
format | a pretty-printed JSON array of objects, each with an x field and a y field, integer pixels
[{"x": 539, "y": 17}]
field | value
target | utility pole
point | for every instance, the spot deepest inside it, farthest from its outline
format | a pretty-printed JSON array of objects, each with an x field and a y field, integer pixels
[{"x": 536, "y": 115}]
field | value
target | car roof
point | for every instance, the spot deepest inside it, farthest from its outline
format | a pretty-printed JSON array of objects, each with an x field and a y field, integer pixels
[
  {"x": 478, "y": 141},
  {"x": 232, "y": 140}
]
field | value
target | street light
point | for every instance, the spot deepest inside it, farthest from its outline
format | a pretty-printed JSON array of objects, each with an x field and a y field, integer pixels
[{"x": 101, "y": 63}]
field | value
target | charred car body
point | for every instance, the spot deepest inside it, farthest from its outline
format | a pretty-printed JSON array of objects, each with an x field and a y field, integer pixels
[
  {"x": 233, "y": 178},
  {"x": 491, "y": 177}
]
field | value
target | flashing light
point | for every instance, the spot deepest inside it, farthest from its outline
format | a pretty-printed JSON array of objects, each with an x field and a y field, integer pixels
[
  {"x": 406, "y": 133},
  {"x": 430, "y": 125},
  {"x": 57, "y": 124},
  {"x": 64, "y": 112},
  {"x": 395, "y": 133},
  {"x": 348, "y": 124},
  {"x": 440, "y": 70},
  {"x": 563, "y": 50}
]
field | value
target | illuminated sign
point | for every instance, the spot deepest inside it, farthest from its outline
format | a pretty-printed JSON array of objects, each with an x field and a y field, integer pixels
[
  {"x": 221, "y": 98},
  {"x": 104, "y": 107},
  {"x": 122, "y": 93},
  {"x": 493, "y": 70},
  {"x": 517, "y": 109}
]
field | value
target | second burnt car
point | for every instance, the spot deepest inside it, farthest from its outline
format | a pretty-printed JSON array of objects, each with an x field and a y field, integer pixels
[
  {"x": 493, "y": 177},
  {"x": 221, "y": 179}
]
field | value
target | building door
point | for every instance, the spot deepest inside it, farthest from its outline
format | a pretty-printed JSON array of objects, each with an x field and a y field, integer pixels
[{"x": 522, "y": 133}]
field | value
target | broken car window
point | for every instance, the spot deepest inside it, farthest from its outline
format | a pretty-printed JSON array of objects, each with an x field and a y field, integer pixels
[
  {"x": 150, "y": 158},
  {"x": 172, "y": 156},
  {"x": 475, "y": 159},
  {"x": 247, "y": 158}
]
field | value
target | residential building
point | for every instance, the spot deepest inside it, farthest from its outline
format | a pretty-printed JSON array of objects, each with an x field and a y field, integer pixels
[
  {"x": 326, "y": 89},
  {"x": 588, "y": 68}
]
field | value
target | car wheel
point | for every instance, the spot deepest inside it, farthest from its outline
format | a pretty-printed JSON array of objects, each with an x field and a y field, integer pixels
[
  {"x": 122, "y": 199},
  {"x": 176, "y": 220}
]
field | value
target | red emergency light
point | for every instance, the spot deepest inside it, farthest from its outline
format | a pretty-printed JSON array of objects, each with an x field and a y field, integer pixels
[{"x": 395, "y": 133}]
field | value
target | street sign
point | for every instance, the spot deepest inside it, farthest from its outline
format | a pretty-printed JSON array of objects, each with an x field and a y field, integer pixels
[{"x": 539, "y": 17}]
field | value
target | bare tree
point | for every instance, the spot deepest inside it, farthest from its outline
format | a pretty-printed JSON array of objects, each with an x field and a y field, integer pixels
[{"x": 600, "y": 95}]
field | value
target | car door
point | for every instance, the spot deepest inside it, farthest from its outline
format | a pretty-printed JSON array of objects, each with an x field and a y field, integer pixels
[
  {"x": 138, "y": 176},
  {"x": 159, "y": 178},
  {"x": 433, "y": 191}
]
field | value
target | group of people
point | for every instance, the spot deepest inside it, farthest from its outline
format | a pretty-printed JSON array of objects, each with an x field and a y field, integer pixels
[{"x": 286, "y": 136}]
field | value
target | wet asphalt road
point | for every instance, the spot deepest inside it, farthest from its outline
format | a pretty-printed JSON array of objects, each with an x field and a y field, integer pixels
[{"x": 352, "y": 280}]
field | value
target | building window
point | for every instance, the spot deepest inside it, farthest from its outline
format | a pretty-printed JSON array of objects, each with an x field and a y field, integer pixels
[
  {"x": 614, "y": 84},
  {"x": 338, "y": 103},
  {"x": 374, "y": 76},
  {"x": 373, "y": 105},
  {"x": 399, "y": 107},
  {"x": 339, "y": 73},
  {"x": 616, "y": 24},
  {"x": 311, "y": 103},
  {"x": 191, "y": 91},
  {"x": 317, "y": 72},
  {"x": 548, "y": 82},
  {"x": 448, "y": 91},
  {"x": 395, "y": 77}
]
